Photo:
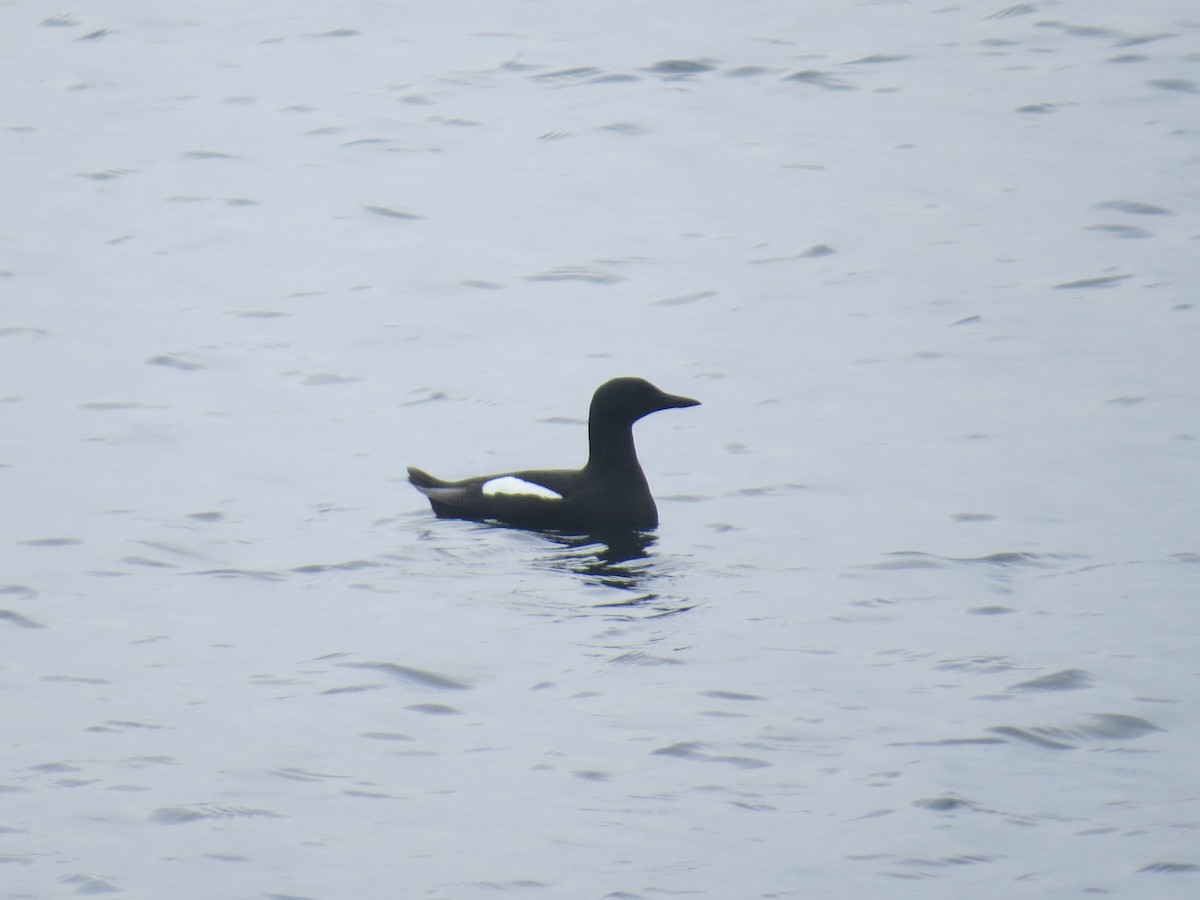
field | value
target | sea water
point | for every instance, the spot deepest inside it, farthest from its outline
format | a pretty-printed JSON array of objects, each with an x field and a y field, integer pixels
[{"x": 920, "y": 617}]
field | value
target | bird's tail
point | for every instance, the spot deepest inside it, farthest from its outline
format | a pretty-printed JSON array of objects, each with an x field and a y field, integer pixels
[{"x": 421, "y": 479}]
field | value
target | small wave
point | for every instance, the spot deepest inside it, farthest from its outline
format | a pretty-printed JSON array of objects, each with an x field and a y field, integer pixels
[
  {"x": 1114, "y": 726},
  {"x": 1066, "y": 680},
  {"x": 680, "y": 67},
  {"x": 694, "y": 750},
  {"x": 408, "y": 673},
  {"x": 257, "y": 574},
  {"x": 182, "y": 815},
  {"x": 1167, "y": 867}
]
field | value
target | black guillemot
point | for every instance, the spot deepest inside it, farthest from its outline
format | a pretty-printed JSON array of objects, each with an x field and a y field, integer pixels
[{"x": 610, "y": 492}]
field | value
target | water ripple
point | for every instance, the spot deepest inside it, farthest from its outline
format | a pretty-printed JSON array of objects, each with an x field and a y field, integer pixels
[
  {"x": 695, "y": 750},
  {"x": 408, "y": 673},
  {"x": 182, "y": 815},
  {"x": 1114, "y": 726},
  {"x": 1066, "y": 680}
]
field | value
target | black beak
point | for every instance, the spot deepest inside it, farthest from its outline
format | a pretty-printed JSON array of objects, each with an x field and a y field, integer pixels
[{"x": 674, "y": 401}]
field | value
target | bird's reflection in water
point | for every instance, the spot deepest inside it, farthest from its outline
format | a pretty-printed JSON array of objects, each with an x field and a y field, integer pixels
[
  {"x": 622, "y": 560},
  {"x": 619, "y": 559}
]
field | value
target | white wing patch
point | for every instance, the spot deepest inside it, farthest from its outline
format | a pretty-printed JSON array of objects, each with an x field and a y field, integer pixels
[{"x": 510, "y": 484}]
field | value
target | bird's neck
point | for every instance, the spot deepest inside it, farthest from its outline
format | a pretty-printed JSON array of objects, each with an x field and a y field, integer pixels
[{"x": 610, "y": 448}]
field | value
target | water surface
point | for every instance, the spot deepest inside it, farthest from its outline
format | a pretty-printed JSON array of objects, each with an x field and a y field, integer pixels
[{"x": 920, "y": 617}]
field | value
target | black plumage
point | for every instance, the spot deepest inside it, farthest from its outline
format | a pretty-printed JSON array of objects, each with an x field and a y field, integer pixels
[{"x": 609, "y": 492}]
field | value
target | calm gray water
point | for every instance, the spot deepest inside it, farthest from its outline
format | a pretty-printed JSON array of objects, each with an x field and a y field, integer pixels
[{"x": 920, "y": 617}]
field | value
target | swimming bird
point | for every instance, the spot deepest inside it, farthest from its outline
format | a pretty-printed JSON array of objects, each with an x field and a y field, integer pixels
[{"x": 610, "y": 492}]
